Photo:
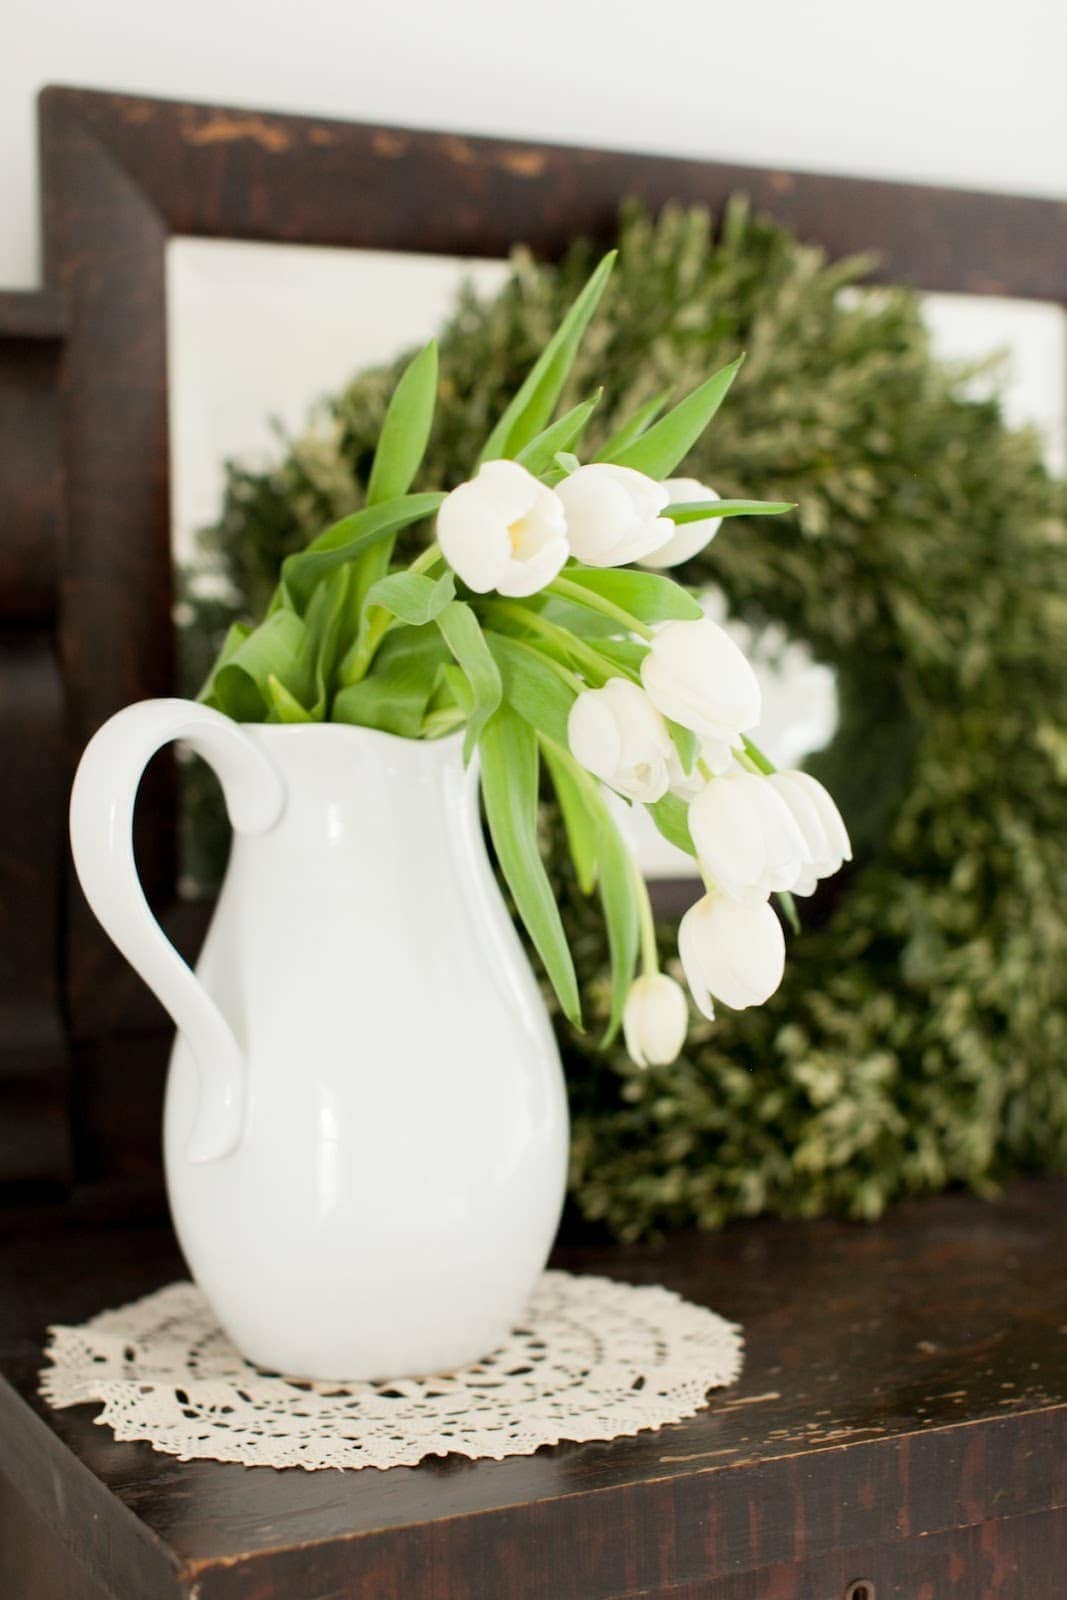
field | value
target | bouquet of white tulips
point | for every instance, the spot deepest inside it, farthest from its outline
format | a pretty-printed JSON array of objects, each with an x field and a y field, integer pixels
[{"x": 525, "y": 624}]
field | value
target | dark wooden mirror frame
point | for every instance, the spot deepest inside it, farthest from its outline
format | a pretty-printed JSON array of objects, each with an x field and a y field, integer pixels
[{"x": 85, "y": 559}]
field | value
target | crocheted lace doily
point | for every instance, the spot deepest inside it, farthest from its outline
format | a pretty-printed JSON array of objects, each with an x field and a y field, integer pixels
[{"x": 593, "y": 1359}]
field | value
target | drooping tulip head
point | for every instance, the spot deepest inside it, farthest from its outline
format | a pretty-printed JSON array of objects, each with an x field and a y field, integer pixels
[
  {"x": 696, "y": 674},
  {"x": 746, "y": 836},
  {"x": 617, "y": 734},
  {"x": 655, "y": 1020},
  {"x": 820, "y": 822},
  {"x": 731, "y": 952}
]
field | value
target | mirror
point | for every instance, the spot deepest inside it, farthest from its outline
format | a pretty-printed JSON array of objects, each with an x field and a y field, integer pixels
[{"x": 258, "y": 333}]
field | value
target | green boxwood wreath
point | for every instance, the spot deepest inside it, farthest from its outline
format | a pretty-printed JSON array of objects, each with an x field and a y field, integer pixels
[{"x": 919, "y": 1037}]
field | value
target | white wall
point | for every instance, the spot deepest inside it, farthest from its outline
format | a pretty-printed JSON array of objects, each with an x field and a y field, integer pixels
[{"x": 964, "y": 92}]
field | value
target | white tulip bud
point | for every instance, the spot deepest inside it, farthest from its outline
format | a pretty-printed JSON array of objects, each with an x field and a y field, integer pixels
[
  {"x": 503, "y": 530},
  {"x": 714, "y": 754},
  {"x": 695, "y": 674},
  {"x": 617, "y": 734},
  {"x": 820, "y": 822},
  {"x": 731, "y": 952},
  {"x": 655, "y": 1021},
  {"x": 613, "y": 514},
  {"x": 689, "y": 537},
  {"x": 747, "y": 837}
]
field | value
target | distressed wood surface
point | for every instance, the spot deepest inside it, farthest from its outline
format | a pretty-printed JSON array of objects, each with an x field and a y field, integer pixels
[{"x": 902, "y": 1418}]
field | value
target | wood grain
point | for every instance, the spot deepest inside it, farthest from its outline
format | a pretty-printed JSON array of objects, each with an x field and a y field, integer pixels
[{"x": 902, "y": 1416}]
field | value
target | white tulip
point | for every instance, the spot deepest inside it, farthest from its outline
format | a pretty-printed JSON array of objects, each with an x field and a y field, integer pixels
[
  {"x": 695, "y": 674},
  {"x": 714, "y": 754},
  {"x": 655, "y": 1020},
  {"x": 689, "y": 537},
  {"x": 730, "y": 952},
  {"x": 617, "y": 734},
  {"x": 819, "y": 820},
  {"x": 503, "y": 530},
  {"x": 746, "y": 837},
  {"x": 613, "y": 514}
]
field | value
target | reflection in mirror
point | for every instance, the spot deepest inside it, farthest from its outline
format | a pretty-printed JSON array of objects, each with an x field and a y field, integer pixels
[
  {"x": 258, "y": 333},
  {"x": 1021, "y": 346}
]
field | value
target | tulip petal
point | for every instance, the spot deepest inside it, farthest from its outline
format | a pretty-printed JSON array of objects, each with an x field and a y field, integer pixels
[
  {"x": 473, "y": 539},
  {"x": 728, "y": 834},
  {"x": 696, "y": 675},
  {"x": 655, "y": 1020},
  {"x": 612, "y": 514},
  {"x": 690, "y": 538},
  {"x": 593, "y": 735},
  {"x": 733, "y": 952},
  {"x": 753, "y": 956}
]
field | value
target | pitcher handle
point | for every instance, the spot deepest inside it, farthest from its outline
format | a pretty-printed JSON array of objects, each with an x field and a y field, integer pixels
[{"x": 101, "y": 836}]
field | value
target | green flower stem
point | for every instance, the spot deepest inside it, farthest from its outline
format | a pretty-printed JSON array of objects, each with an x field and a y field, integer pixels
[
  {"x": 571, "y": 679},
  {"x": 595, "y": 666},
  {"x": 439, "y": 723},
  {"x": 576, "y": 592},
  {"x": 429, "y": 558},
  {"x": 358, "y": 662},
  {"x": 646, "y": 923},
  {"x": 645, "y": 920},
  {"x": 762, "y": 763}
]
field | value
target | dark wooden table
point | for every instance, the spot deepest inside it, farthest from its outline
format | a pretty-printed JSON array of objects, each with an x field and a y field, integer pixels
[{"x": 899, "y": 1431}]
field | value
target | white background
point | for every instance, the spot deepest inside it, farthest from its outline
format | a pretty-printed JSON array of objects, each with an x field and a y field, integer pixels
[{"x": 966, "y": 92}]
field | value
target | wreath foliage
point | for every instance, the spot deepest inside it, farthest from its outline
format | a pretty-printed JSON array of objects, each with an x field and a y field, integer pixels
[{"x": 919, "y": 1036}]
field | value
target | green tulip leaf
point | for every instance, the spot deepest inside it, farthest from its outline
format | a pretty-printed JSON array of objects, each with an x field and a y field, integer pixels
[
  {"x": 671, "y": 816},
  {"x": 532, "y": 686},
  {"x": 625, "y": 654},
  {"x": 645, "y": 595},
  {"x": 699, "y": 510},
  {"x": 579, "y": 823},
  {"x": 533, "y": 405},
  {"x": 509, "y": 777},
  {"x": 579, "y": 620},
  {"x": 412, "y": 596},
  {"x": 633, "y": 428},
  {"x": 463, "y": 635},
  {"x": 398, "y": 456},
  {"x": 405, "y": 430},
  {"x": 236, "y": 635},
  {"x": 557, "y": 439},
  {"x": 394, "y": 697},
  {"x": 658, "y": 451},
  {"x": 686, "y": 742},
  {"x": 598, "y": 834},
  {"x": 789, "y": 909},
  {"x": 238, "y": 686},
  {"x": 615, "y": 872},
  {"x": 347, "y": 539},
  {"x": 285, "y": 706}
]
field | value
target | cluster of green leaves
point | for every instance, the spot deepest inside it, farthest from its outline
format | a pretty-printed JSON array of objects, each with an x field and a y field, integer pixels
[
  {"x": 345, "y": 639},
  {"x": 919, "y": 1037}
]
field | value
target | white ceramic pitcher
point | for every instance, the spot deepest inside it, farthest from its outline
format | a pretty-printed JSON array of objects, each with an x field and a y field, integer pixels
[{"x": 366, "y": 1125}]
